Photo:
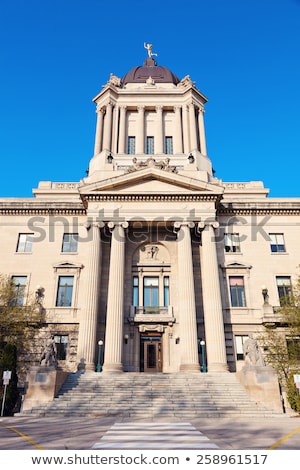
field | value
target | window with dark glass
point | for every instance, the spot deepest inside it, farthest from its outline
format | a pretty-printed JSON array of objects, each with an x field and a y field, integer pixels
[
  {"x": 237, "y": 291},
  {"x": 64, "y": 291},
  {"x": 166, "y": 291},
  {"x": 232, "y": 242},
  {"x": 24, "y": 243},
  {"x": 284, "y": 288},
  {"x": 135, "y": 291},
  {"x": 61, "y": 344},
  {"x": 70, "y": 243},
  {"x": 150, "y": 291},
  {"x": 277, "y": 242},
  {"x": 169, "y": 145},
  {"x": 150, "y": 145},
  {"x": 131, "y": 145},
  {"x": 19, "y": 284}
]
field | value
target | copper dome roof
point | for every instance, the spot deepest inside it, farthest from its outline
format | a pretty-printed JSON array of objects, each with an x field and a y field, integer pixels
[{"x": 149, "y": 69}]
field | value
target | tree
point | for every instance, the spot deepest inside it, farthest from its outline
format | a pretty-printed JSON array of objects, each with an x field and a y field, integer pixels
[
  {"x": 20, "y": 316},
  {"x": 282, "y": 343}
]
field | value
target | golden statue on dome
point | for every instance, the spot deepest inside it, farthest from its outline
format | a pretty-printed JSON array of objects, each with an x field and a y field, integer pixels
[{"x": 149, "y": 49}]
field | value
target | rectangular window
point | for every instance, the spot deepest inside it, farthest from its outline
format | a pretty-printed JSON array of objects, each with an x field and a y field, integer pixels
[
  {"x": 24, "y": 243},
  {"x": 277, "y": 242},
  {"x": 232, "y": 242},
  {"x": 166, "y": 291},
  {"x": 237, "y": 291},
  {"x": 19, "y": 283},
  {"x": 135, "y": 291},
  {"x": 61, "y": 344},
  {"x": 64, "y": 291},
  {"x": 151, "y": 291},
  {"x": 239, "y": 347},
  {"x": 150, "y": 145},
  {"x": 284, "y": 288},
  {"x": 131, "y": 145},
  {"x": 70, "y": 243},
  {"x": 169, "y": 145}
]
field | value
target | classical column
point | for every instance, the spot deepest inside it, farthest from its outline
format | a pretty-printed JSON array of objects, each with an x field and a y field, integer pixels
[
  {"x": 193, "y": 133},
  {"x": 115, "y": 300},
  {"x": 159, "y": 136},
  {"x": 122, "y": 130},
  {"x": 201, "y": 131},
  {"x": 185, "y": 126},
  {"x": 99, "y": 131},
  {"x": 115, "y": 129},
  {"x": 186, "y": 294},
  {"x": 140, "y": 135},
  {"x": 87, "y": 340},
  {"x": 107, "y": 127},
  {"x": 212, "y": 303},
  {"x": 177, "y": 130}
]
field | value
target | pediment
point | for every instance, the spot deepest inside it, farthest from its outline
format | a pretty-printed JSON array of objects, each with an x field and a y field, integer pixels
[
  {"x": 236, "y": 265},
  {"x": 151, "y": 180}
]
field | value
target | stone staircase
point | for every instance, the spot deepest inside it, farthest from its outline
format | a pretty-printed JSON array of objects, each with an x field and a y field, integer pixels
[{"x": 133, "y": 395}]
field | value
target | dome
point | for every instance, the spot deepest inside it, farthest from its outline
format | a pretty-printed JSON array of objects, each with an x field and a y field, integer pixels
[{"x": 150, "y": 68}]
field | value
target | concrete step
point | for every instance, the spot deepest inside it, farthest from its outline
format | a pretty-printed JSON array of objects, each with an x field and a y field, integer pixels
[{"x": 149, "y": 395}]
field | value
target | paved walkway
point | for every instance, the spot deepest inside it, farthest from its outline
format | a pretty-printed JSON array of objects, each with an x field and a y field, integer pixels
[{"x": 25, "y": 433}]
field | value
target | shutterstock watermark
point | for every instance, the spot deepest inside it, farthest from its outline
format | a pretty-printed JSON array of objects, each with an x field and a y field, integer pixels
[{"x": 139, "y": 229}]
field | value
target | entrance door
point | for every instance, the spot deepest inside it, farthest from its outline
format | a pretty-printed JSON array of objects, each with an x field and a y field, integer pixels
[{"x": 151, "y": 354}]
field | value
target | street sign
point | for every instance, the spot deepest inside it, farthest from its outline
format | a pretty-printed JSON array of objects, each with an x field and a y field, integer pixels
[
  {"x": 6, "y": 378},
  {"x": 6, "y": 375}
]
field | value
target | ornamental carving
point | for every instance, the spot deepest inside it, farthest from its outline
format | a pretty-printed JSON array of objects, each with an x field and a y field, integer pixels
[{"x": 151, "y": 163}]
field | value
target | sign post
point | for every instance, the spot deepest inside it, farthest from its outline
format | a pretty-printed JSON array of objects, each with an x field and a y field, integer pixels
[{"x": 6, "y": 378}]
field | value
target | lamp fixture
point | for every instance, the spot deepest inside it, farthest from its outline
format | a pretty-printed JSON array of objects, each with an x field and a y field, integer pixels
[{"x": 191, "y": 158}]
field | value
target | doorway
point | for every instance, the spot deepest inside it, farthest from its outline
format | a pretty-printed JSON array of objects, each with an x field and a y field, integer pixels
[{"x": 151, "y": 353}]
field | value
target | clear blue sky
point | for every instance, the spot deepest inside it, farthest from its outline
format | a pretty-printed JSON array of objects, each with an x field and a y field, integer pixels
[{"x": 55, "y": 55}]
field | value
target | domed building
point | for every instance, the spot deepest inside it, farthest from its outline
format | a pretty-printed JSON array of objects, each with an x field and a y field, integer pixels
[{"x": 150, "y": 254}]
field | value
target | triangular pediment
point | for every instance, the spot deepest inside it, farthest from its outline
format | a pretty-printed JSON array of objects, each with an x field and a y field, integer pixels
[{"x": 151, "y": 180}]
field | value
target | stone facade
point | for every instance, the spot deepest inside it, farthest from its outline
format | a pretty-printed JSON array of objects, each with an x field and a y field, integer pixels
[{"x": 151, "y": 253}]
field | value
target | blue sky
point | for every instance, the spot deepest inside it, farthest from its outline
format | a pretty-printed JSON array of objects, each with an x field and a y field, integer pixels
[{"x": 55, "y": 55}]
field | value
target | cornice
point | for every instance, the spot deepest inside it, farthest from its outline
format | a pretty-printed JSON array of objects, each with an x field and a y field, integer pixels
[
  {"x": 263, "y": 211},
  {"x": 19, "y": 208},
  {"x": 151, "y": 197}
]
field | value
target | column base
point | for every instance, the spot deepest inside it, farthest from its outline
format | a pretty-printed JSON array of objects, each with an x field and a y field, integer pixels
[
  {"x": 112, "y": 368},
  {"x": 186, "y": 368}
]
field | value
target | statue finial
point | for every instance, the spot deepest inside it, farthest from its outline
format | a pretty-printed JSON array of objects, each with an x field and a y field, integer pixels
[{"x": 149, "y": 49}]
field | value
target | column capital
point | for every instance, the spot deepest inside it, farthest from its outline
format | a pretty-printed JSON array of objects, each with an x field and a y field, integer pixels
[
  {"x": 100, "y": 109},
  {"x": 179, "y": 224},
  {"x": 112, "y": 225},
  {"x": 93, "y": 223},
  {"x": 209, "y": 223}
]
